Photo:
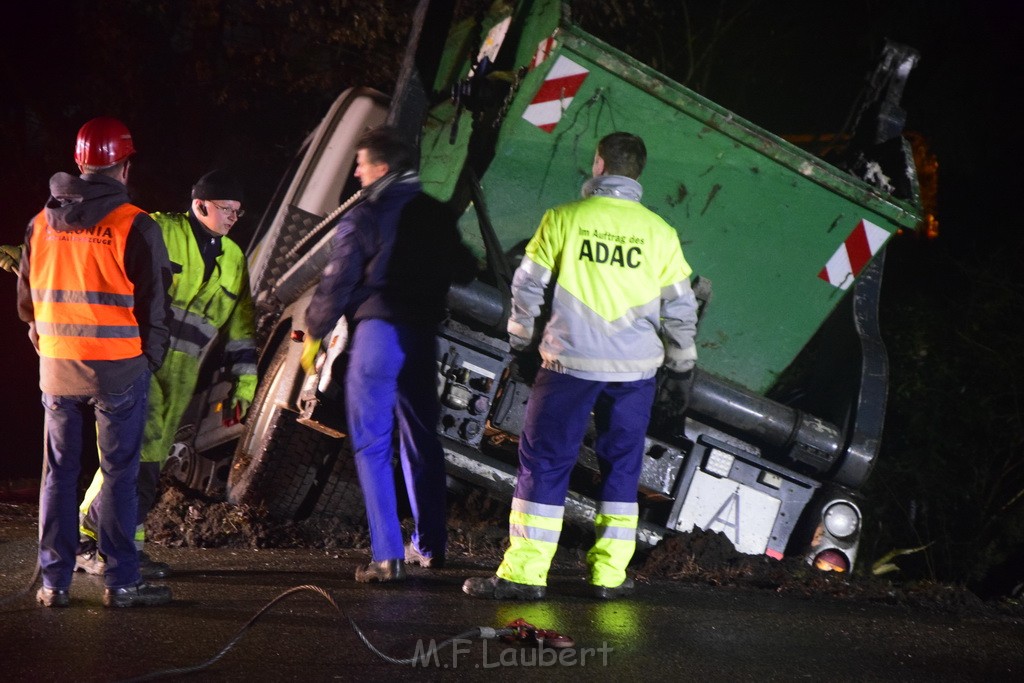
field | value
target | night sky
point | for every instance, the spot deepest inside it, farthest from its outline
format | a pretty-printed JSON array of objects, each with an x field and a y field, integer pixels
[{"x": 796, "y": 70}]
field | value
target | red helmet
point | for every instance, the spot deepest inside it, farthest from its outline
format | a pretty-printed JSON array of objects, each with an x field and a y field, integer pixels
[{"x": 103, "y": 142}]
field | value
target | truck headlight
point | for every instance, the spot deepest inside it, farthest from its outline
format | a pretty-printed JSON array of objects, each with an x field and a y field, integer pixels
[{"x": 841, "y": 520}]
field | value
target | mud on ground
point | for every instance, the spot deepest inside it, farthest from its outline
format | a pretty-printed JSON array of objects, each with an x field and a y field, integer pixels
[{"x": 478, "y": 535}]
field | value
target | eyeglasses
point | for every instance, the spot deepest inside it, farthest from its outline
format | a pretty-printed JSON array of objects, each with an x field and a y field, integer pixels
[{"x": 227, "y": 210}]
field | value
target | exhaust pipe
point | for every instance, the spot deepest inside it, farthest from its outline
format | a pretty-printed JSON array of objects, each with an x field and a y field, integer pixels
[{"x": 800, "y": 437}]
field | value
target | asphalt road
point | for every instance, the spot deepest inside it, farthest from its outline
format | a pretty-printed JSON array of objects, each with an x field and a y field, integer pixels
[{"x": 667, "y": 631}]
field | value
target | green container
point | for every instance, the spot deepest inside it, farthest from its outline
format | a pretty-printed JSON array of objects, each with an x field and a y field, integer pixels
[{"x": 780, "y": 233}]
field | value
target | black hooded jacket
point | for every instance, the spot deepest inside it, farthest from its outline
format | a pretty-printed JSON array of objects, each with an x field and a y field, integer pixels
[{"x": 81, "y": 202}]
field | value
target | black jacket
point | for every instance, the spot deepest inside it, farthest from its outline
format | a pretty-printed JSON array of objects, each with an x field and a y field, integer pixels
[{"x": 393, "y": 257}]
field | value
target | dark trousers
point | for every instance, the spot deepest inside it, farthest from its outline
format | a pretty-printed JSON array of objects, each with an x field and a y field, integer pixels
[
  {"x": 120, "y": 417},
  {"x": 557, "y": 416},
  {"x": 392, "y": 375}
]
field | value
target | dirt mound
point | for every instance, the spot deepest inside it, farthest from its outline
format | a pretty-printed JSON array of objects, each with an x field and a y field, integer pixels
[
  {"x": 180, "y": 519},
  {"x": 708, "y": 557},
  {"x": 703, "y": 557}
]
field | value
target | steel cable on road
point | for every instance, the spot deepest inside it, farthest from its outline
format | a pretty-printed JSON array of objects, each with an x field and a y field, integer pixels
[{"x": 482, "y": 632}]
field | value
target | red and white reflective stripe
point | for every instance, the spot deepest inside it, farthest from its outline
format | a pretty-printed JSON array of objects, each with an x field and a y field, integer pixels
[
  {"x": 555, "y": 94},
  {"x": 544, "y": 49},
  {"x": 853, "y": 254}
]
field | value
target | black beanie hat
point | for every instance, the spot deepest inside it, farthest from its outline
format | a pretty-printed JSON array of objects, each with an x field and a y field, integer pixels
[{"x": 218, "y": 184}]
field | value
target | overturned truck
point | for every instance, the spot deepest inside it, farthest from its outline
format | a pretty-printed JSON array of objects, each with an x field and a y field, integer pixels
[{"x": 787, "y": 405}]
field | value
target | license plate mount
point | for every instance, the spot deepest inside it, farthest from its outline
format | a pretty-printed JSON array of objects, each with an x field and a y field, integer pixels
[{"x": 755, "y": 503}]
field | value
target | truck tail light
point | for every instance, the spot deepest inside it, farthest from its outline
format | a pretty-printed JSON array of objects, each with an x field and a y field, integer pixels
[
  {"x": 841, "y": 520},
  {"x": 831, "y": 560}
]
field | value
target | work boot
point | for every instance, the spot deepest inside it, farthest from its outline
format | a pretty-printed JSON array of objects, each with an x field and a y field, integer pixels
[
  {"x": 91, "y": 562},
  {"x": 497, "y": 588},
  {"x": 151, "y": 569},
  {"x": 382, "y": 572},
  {"x": 53, "y": 597},
  {"x": 141, "y": 594},
  {"x": 414, "y": 556},
  {"x": 612, "y": 592}
]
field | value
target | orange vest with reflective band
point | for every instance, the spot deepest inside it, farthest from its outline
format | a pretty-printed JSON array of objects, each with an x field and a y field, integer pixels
[{"x": 83, "y": 300}]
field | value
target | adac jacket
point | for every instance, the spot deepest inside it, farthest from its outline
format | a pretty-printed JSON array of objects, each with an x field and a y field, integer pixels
[
  {"x": 217, "y": 309},
  {"x": 393, "y": 257},
  {"x": 621, "y": 301},
  {"x": 92, "y": 286}
]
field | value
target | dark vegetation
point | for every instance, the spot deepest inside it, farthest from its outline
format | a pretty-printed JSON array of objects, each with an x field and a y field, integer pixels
[{"x": 206, "y": 83}]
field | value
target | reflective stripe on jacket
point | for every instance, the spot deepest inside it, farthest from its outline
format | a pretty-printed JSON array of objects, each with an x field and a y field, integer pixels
[
  {"x": 218, "y": 308},
  {"x": 622, "y": 303},
  {"x": 82, "y": 298}
]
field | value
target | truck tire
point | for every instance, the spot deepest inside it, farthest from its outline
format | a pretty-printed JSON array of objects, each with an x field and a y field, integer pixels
[
  {"x": 277, "y": 460},
  {"x": 341, "y": 496}
]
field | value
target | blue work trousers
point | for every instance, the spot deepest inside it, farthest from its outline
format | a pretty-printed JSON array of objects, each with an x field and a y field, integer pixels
[
  {"x": 392, "y": 374},
  {"x": 120, "y": 417},
  {"x": 557, "y": 417}
]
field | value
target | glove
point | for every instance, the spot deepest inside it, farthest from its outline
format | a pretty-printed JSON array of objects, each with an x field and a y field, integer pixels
[
  {"x": 240, "y": 406},
  {"x": 518, "y": 343},
  {"x": 674, "y": 393},
  {"x": 240, "y": 399},
  {"x": 10, "y": 257},
  {"x": 310, "y": 348}
]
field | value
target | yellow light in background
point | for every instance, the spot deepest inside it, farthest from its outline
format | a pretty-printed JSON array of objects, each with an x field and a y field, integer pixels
[{"x": 928, "y": 179}]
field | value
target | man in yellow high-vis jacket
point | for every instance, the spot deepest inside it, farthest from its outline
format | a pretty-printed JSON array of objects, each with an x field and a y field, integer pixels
[
  {"x": 621, "y": 307},
  {"x": 211, "y": 306}
]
